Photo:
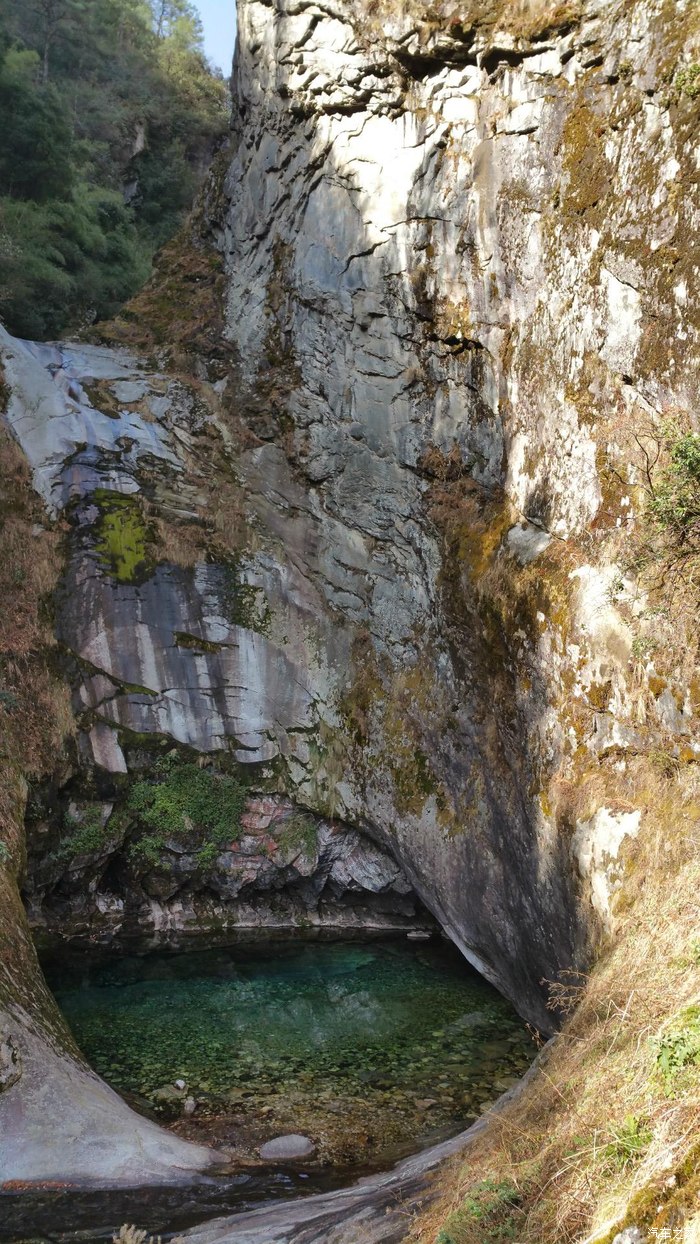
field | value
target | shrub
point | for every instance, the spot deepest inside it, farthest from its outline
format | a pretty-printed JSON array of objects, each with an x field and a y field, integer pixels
[
  {"x": 678, "y": 1048},
  {"x": 85, "y": 833},
  {"x": 675, "y": 498},
  {"x": 192, "y": 805},
  {"x": 667, "y": 545},
  {"x": 489, "y": 1215},
  {"x": 688, "y": 81}
]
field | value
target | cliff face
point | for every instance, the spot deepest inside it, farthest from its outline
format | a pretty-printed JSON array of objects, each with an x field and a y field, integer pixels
[
  {"x": 376, "y": 550},
  {"x": 460, "y": 282}
]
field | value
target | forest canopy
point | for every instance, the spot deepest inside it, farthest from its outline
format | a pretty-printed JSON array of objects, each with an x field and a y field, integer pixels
[{"x": 109, "y": 116}]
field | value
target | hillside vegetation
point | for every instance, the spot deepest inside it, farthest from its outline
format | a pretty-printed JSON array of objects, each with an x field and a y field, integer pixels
[{"x": 109, "y": 115}]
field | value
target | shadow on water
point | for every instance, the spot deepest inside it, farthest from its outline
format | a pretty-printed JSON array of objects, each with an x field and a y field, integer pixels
[{"x": 96, "y": 1215}]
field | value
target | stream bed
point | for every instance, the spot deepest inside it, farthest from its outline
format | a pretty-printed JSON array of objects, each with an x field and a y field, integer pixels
[{"x": 372, "y": 1049}]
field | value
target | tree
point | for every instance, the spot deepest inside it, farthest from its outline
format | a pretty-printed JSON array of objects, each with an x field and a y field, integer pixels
[
  {"x": 109, "y": 113},
  {"x": 178, "y": 19},
  {"x": 36, "y": 139}
]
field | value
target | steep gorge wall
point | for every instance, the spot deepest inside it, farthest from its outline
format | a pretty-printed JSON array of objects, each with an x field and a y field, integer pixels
[{"x": 461, "y": 276}]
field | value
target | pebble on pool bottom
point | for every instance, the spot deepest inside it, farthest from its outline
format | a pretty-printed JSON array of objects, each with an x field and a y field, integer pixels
[{"x": 286, "y": 1148}]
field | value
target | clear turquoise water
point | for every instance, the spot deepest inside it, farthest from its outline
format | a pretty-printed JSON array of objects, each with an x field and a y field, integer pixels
[{"x": 364, "y": 1046}]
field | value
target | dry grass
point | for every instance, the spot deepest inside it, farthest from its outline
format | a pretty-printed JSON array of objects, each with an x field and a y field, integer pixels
[
  {"x": 35, "y": 713},
  {"x": 526, "y": 19},
  {"x": 560, "y": 1145},
  {"x": 182, "y": 543},
  {"x": 129, "y": 1234},
  {"x": 531, "y": 19},
  {"x": 30, "y": 559}
]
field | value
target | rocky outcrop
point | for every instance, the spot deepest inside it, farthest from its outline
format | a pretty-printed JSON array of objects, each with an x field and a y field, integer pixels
[
  {"x": 58, "y": 1120},
  {"x": 155, "y": 651},
  {"x": 157, "y": 647},
  {"x": 282, "y": 872},
  {"x": 61, "y": 1122}
]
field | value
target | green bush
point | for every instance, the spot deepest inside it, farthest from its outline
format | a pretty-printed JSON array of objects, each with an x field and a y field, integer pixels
[
  {"x": 489, "y": 1215},
  {"x": 67, "y": 259},
  {"x": 36, "y": 138},
  {"x": 677, "y": 1050},
  {"x": 194, "y": 806},
  {"x": 665, "y": 548},
  {"x": 675, "y": 500},
  {"x": 688, "y": 81},
  {"x": 84, "y": 834}
]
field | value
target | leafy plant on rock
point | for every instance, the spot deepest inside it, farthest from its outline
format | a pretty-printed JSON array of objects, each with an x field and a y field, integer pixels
[
  {"x": 666, "y": 547},
  {"x": 85, "y": 833},
  {"x": 489, "y": 1215},
  {"x": 192, "y": 806},
  {"x": 688, "y": 81},
  {"x": 675, "y": 495},
  {"x": 630, "y": 1142},
  {"x": 677, "y": 1050}
]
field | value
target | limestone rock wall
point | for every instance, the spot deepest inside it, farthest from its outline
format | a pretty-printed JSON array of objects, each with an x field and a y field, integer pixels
[
  {"x": 281, "y": 872},
  {"x": 461, "y": 273},
  {"x": 156, "y": 652}
]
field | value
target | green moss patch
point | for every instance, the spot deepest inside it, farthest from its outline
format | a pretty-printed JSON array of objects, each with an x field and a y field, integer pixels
[
  {"x": 123, "y": 542},
  {"x": 299, "y": 836},
  {"x": 244, "y": 604}
]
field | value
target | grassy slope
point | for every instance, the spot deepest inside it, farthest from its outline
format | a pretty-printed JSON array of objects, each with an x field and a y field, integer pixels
[
  {"x": 603, "y": 1138},
  {"x": 34, "y": 708},
  {"x": 35, "y": 716}
]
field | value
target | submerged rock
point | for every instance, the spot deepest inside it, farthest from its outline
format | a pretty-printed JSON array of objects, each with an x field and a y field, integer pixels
[{"x": 285, "y": 1148}]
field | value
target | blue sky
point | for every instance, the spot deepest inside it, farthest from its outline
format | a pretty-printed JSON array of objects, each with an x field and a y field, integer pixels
[{"x": 219, "y": 20}]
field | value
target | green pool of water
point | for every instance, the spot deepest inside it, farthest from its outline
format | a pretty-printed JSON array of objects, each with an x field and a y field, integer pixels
[{"x": 370, "y": 1048}]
